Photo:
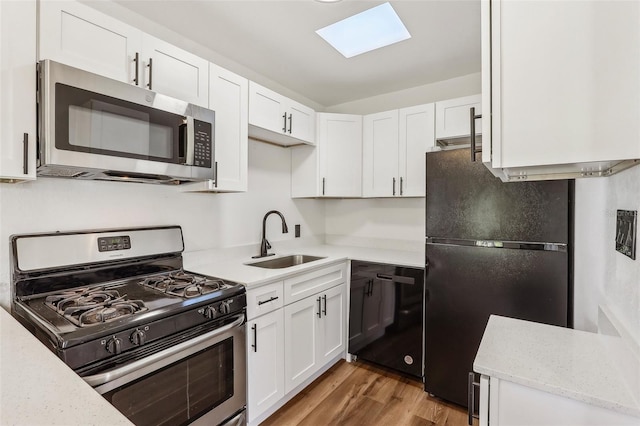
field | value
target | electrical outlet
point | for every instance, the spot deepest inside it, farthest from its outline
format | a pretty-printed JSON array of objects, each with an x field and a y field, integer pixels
[
  {"x": 626, "y": 224},
  {"x": 297, "y": 231}
]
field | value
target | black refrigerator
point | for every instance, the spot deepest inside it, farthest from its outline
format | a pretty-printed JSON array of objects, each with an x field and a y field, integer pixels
[{"x": 491, "y": 248}]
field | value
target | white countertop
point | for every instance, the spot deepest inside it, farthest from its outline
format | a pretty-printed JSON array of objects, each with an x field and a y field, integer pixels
[
  {"x": 566, "y": 362},
  {"x": 37, "y": 388},
  {"x": 235, "y": 268}
]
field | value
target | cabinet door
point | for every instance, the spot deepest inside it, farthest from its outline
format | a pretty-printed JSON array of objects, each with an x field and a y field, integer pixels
[
  {"x": 301, "y": 340},
  {"x": 267, "y": 109},
  {"x": 18, "y": 90},
  {"x": 417, "y": 136},
  {"x": 265, "y": 361},
  {"x": 452, "y": 116},
  {"x": 332, "y": 326},
  {"x": 174, "y": 72},
  {"x": 550, "y": 107},
  {"x": 301, "y": 122},
  {"x": 340, "y": 146},
  {"x": 228, "y": 97},
  {"x": 380, "y": 154},
  {"x": 80, "y": 36}
]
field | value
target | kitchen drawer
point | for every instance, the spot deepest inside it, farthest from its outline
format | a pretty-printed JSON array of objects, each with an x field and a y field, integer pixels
[
  {"x": 303, "y": 285},
  {"x": 264, "y": 299}
]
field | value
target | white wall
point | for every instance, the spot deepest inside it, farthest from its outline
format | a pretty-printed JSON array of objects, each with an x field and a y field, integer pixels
[
  {"x": 208, "y": 220},
  {"x": 439, "y": 91},
  {"x": 603, "y": 275}
]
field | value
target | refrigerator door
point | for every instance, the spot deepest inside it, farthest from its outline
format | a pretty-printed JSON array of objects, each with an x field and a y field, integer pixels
[
  {"x": 465, "y": 201},
  {"x": 464, "y": 285}
]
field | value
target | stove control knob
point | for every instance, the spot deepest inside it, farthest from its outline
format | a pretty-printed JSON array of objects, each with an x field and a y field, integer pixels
[
  {"x": 114, "y": 345},
  {"x": 224, "y": 307},
  {"x": 138, "y": 337},
  {"x": 209, "y": 312}
]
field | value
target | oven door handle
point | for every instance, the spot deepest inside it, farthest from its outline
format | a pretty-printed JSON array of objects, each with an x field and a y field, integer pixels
[{"x": 107, "y": 376}]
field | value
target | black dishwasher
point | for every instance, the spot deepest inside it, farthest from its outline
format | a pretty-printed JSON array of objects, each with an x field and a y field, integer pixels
[{"x": 385, "y": 316}]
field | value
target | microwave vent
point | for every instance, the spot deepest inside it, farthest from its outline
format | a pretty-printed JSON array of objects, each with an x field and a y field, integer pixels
[{"x": 61, "y": 172}]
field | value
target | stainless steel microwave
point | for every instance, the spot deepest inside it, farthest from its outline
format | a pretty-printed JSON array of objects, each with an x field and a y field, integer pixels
[{"x": 93, "y": 127}]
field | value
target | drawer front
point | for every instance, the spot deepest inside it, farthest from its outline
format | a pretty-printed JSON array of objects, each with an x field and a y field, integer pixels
[
  {"x": 304, "y": 285},
  {"x": 264, "y": 299}
]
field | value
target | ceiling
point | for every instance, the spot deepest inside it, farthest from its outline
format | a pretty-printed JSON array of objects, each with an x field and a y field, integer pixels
[{"x": 277, "y": 39}]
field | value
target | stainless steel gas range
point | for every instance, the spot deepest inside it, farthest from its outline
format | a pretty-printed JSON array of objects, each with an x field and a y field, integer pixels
[{"x": 165, "y": 346}]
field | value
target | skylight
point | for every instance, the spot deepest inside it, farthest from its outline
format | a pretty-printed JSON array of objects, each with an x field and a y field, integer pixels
[{"x": 369, "y": 30}]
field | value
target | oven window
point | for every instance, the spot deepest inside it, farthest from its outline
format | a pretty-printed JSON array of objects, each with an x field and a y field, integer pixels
[
  {"x": 91, "y": 122},
  {"x": 180, "y": 392}
]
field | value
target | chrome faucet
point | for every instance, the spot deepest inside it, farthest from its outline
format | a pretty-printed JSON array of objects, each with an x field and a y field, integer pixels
[{"x": 264, "y": 245}]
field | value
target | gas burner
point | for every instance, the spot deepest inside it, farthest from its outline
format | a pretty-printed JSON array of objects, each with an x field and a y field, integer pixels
[
  {"x": 184, "y": 284},
  {"x": 90, "y": 306}
]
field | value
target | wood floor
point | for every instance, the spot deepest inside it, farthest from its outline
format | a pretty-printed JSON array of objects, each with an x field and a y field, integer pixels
[{"x": 359, "y": 394}]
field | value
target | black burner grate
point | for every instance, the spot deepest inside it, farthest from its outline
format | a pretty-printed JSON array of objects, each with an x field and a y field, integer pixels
[{"x": 184, "y": 284}]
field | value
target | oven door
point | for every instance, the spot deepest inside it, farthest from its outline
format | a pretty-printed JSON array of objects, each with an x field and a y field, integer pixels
[
  {"x": 92, "y": 122},
  {"x": 203, "y": 378}
]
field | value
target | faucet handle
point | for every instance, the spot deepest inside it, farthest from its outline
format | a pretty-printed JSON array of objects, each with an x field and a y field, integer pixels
[{"x": 268, "y": 245}]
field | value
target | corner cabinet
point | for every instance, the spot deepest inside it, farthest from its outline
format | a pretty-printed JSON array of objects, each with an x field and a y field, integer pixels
[
  {"x": 548, "y": 114},
  {"x": 18, "y": 91},
  {"x": 333, "y": 168},
  {"x": 277, "y": 119},
  {"x": 394, "y": 145},
  {"x": 228, "y": 97},
  {"x": 506, "y": 403},
  {"x": 80, "y": 36},
  {"x": 296, "y": 330}
]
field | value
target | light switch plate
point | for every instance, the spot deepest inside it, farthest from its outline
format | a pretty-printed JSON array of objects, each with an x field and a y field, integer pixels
[{"x": 626, "y": 226}]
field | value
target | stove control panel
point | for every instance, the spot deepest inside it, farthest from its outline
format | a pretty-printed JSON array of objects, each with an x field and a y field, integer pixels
[{"x": 122, "y": 242}]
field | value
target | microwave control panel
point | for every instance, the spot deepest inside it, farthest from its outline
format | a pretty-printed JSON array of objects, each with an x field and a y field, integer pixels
[{"x": 203, "y": 135}]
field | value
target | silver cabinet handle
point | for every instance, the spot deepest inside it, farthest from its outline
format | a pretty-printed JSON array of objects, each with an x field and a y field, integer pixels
[
  {"x": 324, "y": 311},
  {"x": 136, "y": 60},
  {"x": 323, "y": 185},
  {"x": 471, "y": 385},
  {"x": 284, "y": 128},
  {"x": 472, "y": 118},
  {"x": 25, "y": 153},
  {"x": 401, "y": 191},
  {"x": 150, "y": 84},
  {"x": 290, "y": 122},
  {"x": 215, "y": 174},
  {"x": 394, "y": 186}
]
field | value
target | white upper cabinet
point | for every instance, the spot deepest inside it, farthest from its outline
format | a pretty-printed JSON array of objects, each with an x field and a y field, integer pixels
[
  {"x": 394, "y": 147},
  {"x": 228, "y": 97},
  {"x": 380, "y": 154},
  {"x": 333, "y": 168},
  {"x": 77, "y": 35},
  {"x": 174, "y": 72},
  {"x": 18, "y": 90},
  {"x": 561, "y": 81},
  {"x": 452, "y": 117},
  {"x": 80, "y": 36},
  {"x": 278, "y": 119},
  {"x": 416, "y": 137}
]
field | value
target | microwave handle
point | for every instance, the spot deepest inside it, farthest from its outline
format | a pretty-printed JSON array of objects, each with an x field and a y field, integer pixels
[{"x": 186, "y": 142}]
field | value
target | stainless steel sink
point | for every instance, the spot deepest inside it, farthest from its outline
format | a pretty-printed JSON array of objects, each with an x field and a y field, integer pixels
[{"x": 285, "y": 261}]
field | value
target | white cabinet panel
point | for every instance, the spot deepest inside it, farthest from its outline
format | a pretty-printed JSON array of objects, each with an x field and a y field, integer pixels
[
  {"x": 333, "y": 323},
  {"x": 277, "y": 119},
  {"x": 417, "y": 136},
  {"x": 301, "y": 340},
  {"x": 175, "y": 72},
  {"x": 77, "y": 35},
  {"x": 453, "y": 117},
  {"x": 333, "y": 168},
  {"x": 18, "y": 90},
  {"x": 380, "y": 154},
  {"x": 264, "y": 299},
  {"x": 307, "y": 284},
  {"x": 265, "y": 345}
]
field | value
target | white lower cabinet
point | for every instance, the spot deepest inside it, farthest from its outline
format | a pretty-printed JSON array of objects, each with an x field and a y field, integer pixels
[
  {"x": 265, "y": 361},
  {"x": 291, "y": 340},
  {"x": 506, "y": 403}
]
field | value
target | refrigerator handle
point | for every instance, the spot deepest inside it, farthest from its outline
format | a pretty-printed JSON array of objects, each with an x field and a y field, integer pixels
[{"x": 472, "y": 118}]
